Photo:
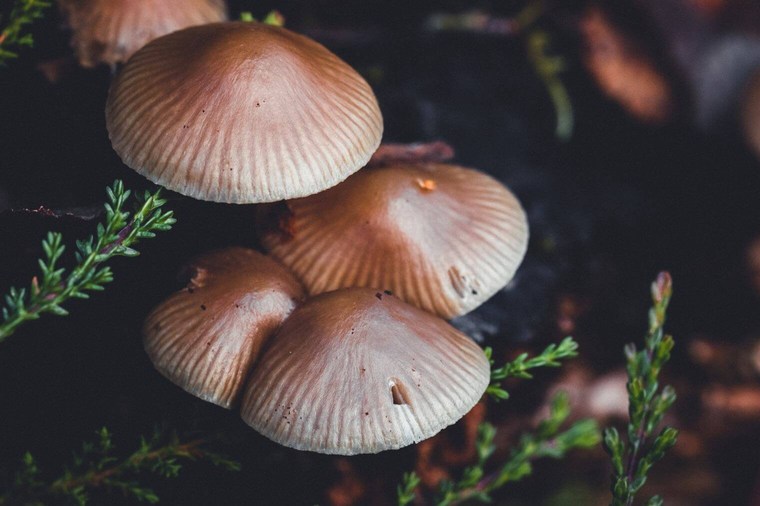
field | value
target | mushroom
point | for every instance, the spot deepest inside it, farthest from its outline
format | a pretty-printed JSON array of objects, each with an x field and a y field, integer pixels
[
  {"x": 205, "y": 337},
  {"x": 441, "y": 237},
  {"x": 110, "y": 31},
  {"x": 359, "y": 371},
  {"x": 242, "y": 113}
]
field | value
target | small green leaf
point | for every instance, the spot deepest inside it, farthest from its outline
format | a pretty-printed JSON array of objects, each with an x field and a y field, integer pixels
[{"x": 274, "y": 18}]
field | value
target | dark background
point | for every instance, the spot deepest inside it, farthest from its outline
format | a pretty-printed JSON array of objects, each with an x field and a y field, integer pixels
[{"x": 608, "y": 209}]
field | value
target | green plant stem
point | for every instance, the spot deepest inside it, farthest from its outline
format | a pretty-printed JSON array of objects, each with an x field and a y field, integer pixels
[
  {"x": 115, "y": 237},
  {"x": 23, "y": 13},
  {"x": 95, "y": 478},
  {"x": 547, "y": 441},
  {"x": 520, "y": 366},
  {"x": 521, "y": 458},
  {"x": 548, "y": 69},
  {"x": 482, "y": 22},
  {"x": 97, "y": 467},
  {"x": 632, "y": 460}
]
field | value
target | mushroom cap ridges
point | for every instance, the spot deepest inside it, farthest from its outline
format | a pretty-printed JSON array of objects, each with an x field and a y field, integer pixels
[
  {"x": 242, "y": 113},
  {"x": 110, "y": 31},
  {"x": 359, "y": 371},
  {"x": 205, "y": 337},
  {"x": 441, "y": 237}
]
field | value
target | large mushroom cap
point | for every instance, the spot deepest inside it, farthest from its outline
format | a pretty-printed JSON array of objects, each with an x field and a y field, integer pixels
[
  {"x": 441, "y": 237},
  {"x": 110, "y": 31},
  {"x": 359, "y": 371},
  {"x": 242, "y": 113},
  {"x": 205, "y": 337}
]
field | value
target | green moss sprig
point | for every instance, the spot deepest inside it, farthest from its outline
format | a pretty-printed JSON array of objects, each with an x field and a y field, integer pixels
[
  {"x": 549, "y": 69},
  {"x": 98, "y": 467},
  {"x": 547, "y": 441},
  {"x": 13, "y": 34},
  {"x": 273, "y": 18},
  {"x": 115, "y": 237},
  {"x": 538, "y": 42},
  {"x": 519, "y": 367},
  {"x": 632, "y": 460}
]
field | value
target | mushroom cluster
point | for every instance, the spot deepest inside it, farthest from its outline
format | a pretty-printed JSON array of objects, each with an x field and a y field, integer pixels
[
  {"x": 351, "y": 371},
  {"x": 248, "y": 113}
]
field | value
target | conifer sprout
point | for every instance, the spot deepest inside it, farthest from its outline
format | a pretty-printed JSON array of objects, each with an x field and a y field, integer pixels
[
  {"x": 110, "y": 31},
  {"x": 242, "y": 112},
  {"x": 441, "y": 237},
  {"x": 359, "y": 371},
  {"x": 206, "y": 337}
]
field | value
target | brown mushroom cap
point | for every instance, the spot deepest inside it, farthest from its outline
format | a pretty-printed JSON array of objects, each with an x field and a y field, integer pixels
[
  {"x": 440, "y": 237},
  {"x": 359, "y": 371},
  {"x": 242, "y": 113},
  {"x": 205, "y": 337},
  {"x": 110, "y": 31}
]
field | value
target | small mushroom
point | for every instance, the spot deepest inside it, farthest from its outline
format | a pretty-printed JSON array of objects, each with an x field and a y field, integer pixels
[
  {"x": 441, "y": 237},
  {"x": 359, "y": 371},
  {"x": 110, "y": 31},
  {"x": 205, "y": 337},
  {"x": 242, "y": 113}
]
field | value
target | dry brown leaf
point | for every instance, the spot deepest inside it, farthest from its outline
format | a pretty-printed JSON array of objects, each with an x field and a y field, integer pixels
[{"x": 623, "y": 71}]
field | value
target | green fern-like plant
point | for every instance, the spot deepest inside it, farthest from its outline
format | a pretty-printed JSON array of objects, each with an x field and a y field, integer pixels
[
  {"x": 98, "y": 466},
  {"x": 547, "y": 441},
  {"x": 116, "y": 236},
  {"x": 520, "y": 367},
  {"x": 633, "y": 459},
  {"x": 14, "y": 34}
]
